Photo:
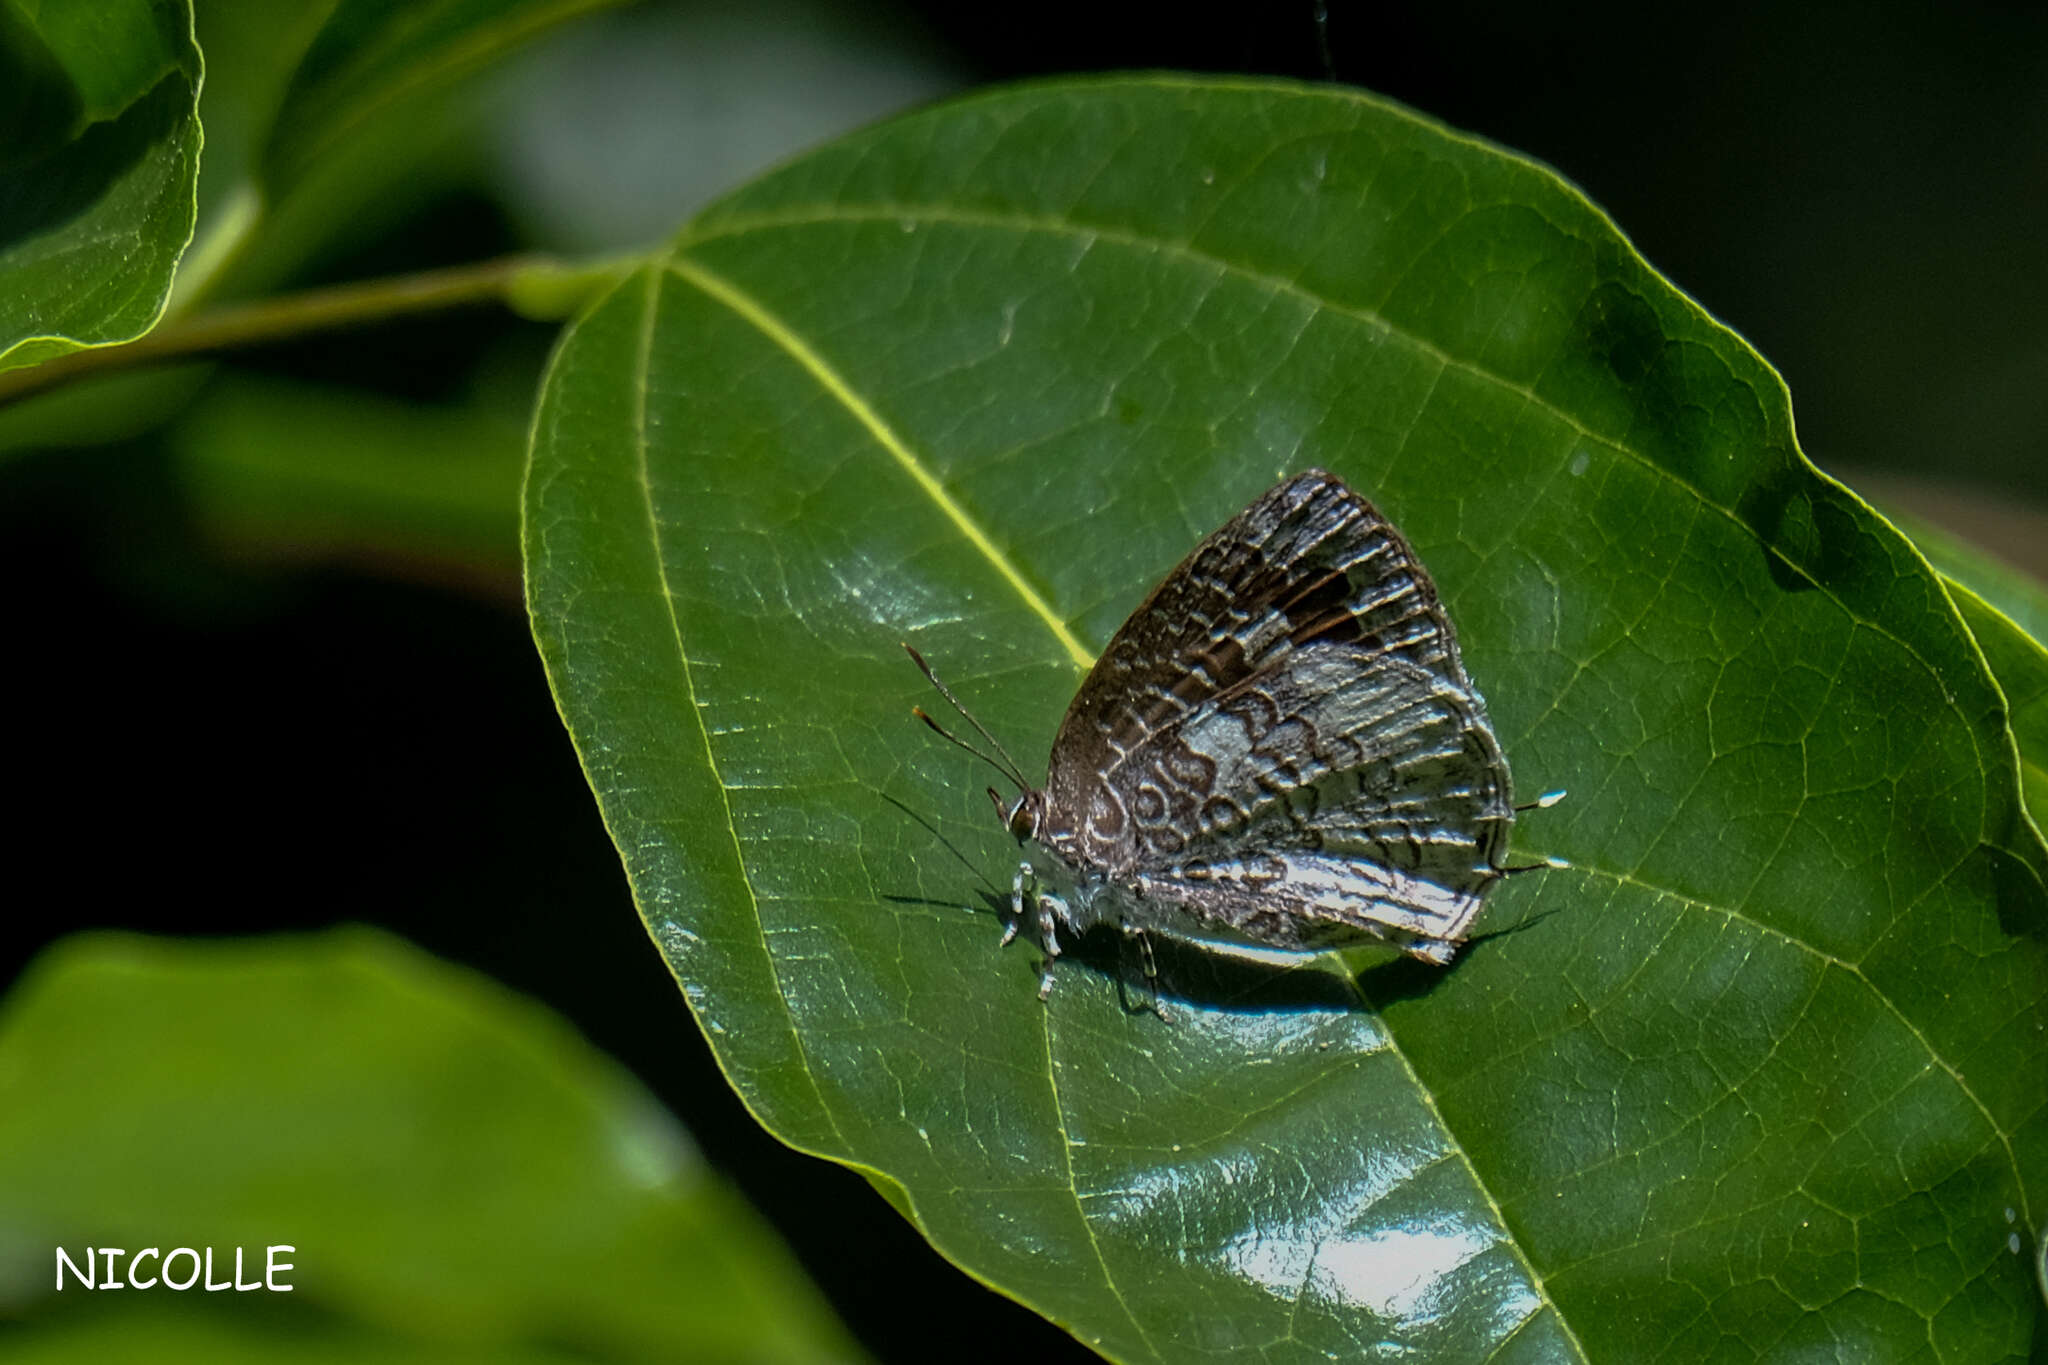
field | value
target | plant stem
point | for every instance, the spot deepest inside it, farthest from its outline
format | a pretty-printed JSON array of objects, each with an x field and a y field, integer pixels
[{"x": 278, "y": 319}]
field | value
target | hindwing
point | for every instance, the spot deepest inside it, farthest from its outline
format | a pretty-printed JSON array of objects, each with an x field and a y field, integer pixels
[{"x": 1331, "y": 796}]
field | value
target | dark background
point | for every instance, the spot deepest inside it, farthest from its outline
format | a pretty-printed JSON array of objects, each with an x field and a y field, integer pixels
[{"x": 209, "y": 739}]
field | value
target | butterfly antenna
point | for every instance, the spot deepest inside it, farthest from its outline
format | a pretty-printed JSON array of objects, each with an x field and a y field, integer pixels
[
  {"x": 943, "y": 733},
  {"x": 1007, "y": 766}
]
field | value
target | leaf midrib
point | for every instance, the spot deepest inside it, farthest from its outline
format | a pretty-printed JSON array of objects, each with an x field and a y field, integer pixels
[{"x": 751, "y": 311}]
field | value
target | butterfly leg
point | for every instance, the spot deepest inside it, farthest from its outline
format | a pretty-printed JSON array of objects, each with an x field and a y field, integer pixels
[
  {"x": 1023, "y": 879},
  {"x": 1051, "y": 909},
  {"x": 1439, "y": 951},
  {"x": 1150, "y": 966}
]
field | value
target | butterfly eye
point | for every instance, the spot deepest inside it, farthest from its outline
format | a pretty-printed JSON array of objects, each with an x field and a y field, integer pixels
[{"x": 1023, "y": 818}]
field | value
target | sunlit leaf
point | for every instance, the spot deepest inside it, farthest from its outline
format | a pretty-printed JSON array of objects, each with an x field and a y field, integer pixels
[
  {"x": 1761, "y": 1075},
  {"x": 458, "y": 1176}
]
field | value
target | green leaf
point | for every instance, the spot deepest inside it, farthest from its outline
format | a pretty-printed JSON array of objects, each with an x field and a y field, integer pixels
[
  {"x": 459, "y": 1176},
  {"x": 1762, "y": 1074},
  {"x": 2007, "y": 613},
  {"x": 97, "y": 177}
]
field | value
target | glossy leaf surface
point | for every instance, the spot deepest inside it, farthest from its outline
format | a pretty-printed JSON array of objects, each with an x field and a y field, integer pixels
[
  {"x": 1762, "y": 1074},
  {"x": 459, "y": 1177},
  {"x": 99, "y": 159}
]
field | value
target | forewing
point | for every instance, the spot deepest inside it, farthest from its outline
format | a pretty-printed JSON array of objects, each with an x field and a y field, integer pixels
[{"x": 1310, "y": 562}]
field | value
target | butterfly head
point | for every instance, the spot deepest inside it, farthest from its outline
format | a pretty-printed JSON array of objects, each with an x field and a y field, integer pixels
[{"x": 1021, "y": 816}]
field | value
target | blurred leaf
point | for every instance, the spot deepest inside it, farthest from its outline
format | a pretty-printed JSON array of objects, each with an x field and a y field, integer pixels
[
  {"x": 2007, "y": 612},
  {"x": 99, "y": 411},
  {"x": 462, "y": 1177},
  {"x": 614, "y": 132},
  {"x": 252, "y": 47},
  {"x": 351, "y": 116},
  {"x": 305, "y": 470},
  {"x": 371, "y": 53},
  {"x": 1762, "y": 1074},
  {"x": 97, "y": 172}
]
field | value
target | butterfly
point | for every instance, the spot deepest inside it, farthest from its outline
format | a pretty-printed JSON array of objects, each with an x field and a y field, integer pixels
[{"x": 1280, "y": 748}]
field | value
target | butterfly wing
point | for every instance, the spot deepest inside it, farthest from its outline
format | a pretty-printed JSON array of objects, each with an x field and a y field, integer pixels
[{"x": 1283, "y": 738}]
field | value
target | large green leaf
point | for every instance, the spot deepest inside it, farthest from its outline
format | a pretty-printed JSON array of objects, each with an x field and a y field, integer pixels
[
  {"x": 99, "y": 158},
  {"x": 459, "y": 1177},
  {"x": 1762, "y": 1074}
]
